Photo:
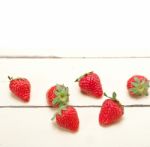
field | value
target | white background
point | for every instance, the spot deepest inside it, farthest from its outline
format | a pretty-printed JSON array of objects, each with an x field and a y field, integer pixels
[{"x": 101, "y": 27}]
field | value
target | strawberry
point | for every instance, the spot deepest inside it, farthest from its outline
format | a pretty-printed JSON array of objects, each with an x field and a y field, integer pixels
[
  {"x": 57, "y": 96},
  {"x": 111, "y": 111},
  {"x": 67, "y": 118},
  {"x": 20, "y": 87},
  {"x": 138, "y": 85},
  {"x": 90, "y": 84}
]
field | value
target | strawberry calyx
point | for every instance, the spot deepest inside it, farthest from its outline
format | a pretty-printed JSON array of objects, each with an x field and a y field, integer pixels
[
  {"x": 17, "y": 78},
  {"x": 113, "y": 97},
  {"x": 140, "y": 87},
  {"x": 62, "y": 95},
  {"x": 59, "y": 111},
  {"x": 78, "y": 79},
  {"x": 10, "y": 78}
]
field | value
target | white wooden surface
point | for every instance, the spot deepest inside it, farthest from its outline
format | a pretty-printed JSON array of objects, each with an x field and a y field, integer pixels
[
  {"x": 29, "y": 124},
  {"x": 44, "y": 73},
  {"x": 112, "y": 36},
  {"x": 33, "y": 127}
]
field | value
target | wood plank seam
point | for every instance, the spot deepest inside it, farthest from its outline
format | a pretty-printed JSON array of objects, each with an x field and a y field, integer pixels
[
  {"x": 77, "y": 106},
  {"x": 72, "y": 57}
]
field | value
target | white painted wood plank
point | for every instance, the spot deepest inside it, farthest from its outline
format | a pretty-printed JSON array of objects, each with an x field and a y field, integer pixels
[
  {"x": 44, "y": 73},
  {"x": 69, "y": 27},
  {"x": 33, "y": 127}
]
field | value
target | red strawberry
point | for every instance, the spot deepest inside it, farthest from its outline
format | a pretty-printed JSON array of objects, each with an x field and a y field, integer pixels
[
  {"x": 67, "y": 118},
  {"x": 21, "y": 88},
  {"x": 90, "y": 84},
  {"x": 138, "y": 85},
  {"x": 111, "y": 111},
  {"x": 57, "y": 95}
]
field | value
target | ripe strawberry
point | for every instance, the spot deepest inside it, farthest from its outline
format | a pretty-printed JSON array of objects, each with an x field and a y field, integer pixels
[
  {"x": 57, "y": 96},
  {"x": 111, "y": 111},
  {"x": 138, "y": 85},
  {"x": 21, "y": 88},
  {"x": 67, "y": 118},
  {"x": 90, "y": 84}
]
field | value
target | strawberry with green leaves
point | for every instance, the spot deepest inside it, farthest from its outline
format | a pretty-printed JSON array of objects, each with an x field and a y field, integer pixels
[
  {"x": 90, "y": 84},
  {"x": 57, "y": 95},
  {"x": 138, "y": 85},
  {"x": 111, "y": 111},
  {"x": 67, "y": 117},
  {"x": 20, "y": 87}
]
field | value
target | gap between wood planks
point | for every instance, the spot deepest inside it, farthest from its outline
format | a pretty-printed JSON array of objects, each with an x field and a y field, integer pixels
[
  {"x": 73, "y": 57},
  {"x": 77, "y": 106}
]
